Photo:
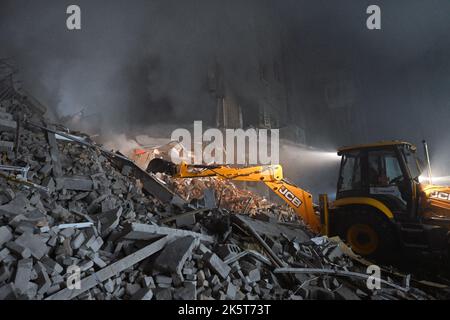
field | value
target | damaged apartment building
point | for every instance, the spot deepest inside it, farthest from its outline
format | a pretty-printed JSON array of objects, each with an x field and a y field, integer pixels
[{"x": 303, "y": 112}]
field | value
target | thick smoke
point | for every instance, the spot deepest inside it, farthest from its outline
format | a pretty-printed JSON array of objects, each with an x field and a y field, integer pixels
[{"x": 139, "y": 63}]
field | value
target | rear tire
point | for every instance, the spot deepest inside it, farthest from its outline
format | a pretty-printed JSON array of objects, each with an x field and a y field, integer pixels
[{"x": 369, "y": 234}]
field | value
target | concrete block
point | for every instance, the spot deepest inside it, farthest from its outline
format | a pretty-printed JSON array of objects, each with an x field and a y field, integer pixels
[
  {"x": 86, "y": 265},
  {"x": 174, "y": 255},
  {"x": 25, "y": 227},
  {"x": 240, "y": 295},
  {"x": 185, "y": 220},
  {"x": 4, "y": 253},
  {"x": 203, "y": 249},
  {"x": 43, "y": 280},
  {"x": 6, "y": 195},
  {"x": 190, "y": 277},
  {"x": 131, "y": 289},
  {"x": 137, "y": 231},
  {"x": 98, "y": 261},
  {"x": 148, "y": 282},
  {"x": 77, "y": 183},
  {"x": 201, "y": 276},
  {"x": 231, "y": 291},
  {"x": 18, "y": 249},
  {"x": 51, "y": 266},
  {"x": 23, "y": 275},
  {"x": 5, "y": 235},
  {"x": 109, "y": 220},
  {"x": 34, "y": 243},
  {"x": 160, "y": 279},
  {"x": 96, "y": 244},
  {"x": 187, "y": 292},
  {"x": 163, "y": 294},
  {"x": 143, "y": 294},
  {"x": 46, "y": 169},
  {"x": 78, "y": 241},
  {"x": 67, "y": 232},
  {"x": 109, "y": 286},
  {"x": 217, "y": 265},
  {"x": 214, "y": 280},
  {"x": 19, "y": 205}
]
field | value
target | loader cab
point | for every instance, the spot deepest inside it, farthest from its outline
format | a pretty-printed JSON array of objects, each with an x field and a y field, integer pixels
[{"x": 387, "y": 172}]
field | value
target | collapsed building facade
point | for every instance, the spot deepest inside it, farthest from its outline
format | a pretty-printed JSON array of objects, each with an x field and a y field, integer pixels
[{"x": 78, "y": 221}]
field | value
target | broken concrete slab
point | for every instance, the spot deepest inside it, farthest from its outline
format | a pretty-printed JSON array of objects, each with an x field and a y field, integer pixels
[
  {"x": 34, "y": 243},
  {"x": 19, "y": 205},
  {"x": 23, "y": 275},
  {"x": 137, "y": 231},
  {"x": 77, "y": 183},
  {"x": 174, "y": 255},
  {"x": 109, "y": 271},
  {"x": 108, "y": 220},
  {"x": 274, "y": 229},
  {"x": 18, "y": 249}
]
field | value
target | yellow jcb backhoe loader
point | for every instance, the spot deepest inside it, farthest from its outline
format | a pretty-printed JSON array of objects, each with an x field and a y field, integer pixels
[{"x": 380, "y": 207}]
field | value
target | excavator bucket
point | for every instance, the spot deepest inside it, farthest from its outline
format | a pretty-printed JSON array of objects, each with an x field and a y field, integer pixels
[{"x": 158, "y": 165}]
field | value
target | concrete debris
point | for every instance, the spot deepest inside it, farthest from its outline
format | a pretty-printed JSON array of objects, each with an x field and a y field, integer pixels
[
  {"x": 23, "y": 275},
  {"x": 217, "y": 264},
  {"x": 137, "y": 231},
  {"x": 143, "y": 294},
  {"x": 126, "y": 235},
  {"x": 174, "y": 255},
  {"x": 34, "y": 243},
  {"x": 5, "y": 235}
]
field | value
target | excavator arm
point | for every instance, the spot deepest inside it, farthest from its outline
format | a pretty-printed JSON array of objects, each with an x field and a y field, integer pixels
[{"x": 272, "y": 175}]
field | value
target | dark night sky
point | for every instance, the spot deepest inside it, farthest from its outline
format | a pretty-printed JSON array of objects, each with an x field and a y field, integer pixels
[{"x": 152, "y": 54}]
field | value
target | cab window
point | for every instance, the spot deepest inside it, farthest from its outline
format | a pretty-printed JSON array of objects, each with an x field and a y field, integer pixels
[
  {"x": 350, "y": 178},
  {"x": 384, "y": 168}
]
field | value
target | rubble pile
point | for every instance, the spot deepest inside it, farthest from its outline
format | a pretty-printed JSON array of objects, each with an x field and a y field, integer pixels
[
  {"x": 77, "y": 222},
  {"x": 231, "y": 197}
]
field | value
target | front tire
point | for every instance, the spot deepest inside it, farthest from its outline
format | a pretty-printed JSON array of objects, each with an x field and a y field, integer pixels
[{"x": 369, "y": 234}]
